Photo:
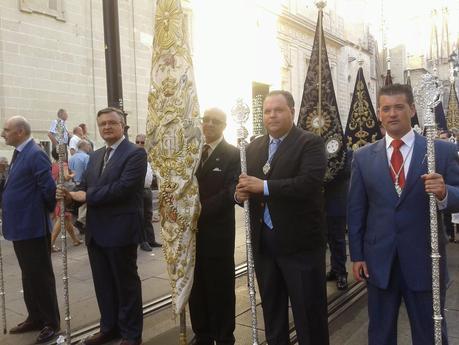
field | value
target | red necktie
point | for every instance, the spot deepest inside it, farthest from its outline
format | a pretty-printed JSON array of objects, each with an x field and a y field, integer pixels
[{"x": 396, "y": 162}]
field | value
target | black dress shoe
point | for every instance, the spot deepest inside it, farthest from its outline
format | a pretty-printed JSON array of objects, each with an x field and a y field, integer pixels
[
  {"x": 101, "y": 338},
  {"x": 26, "y": 326},
  {"x": 145, "y": 247},
  {"x": 46, "y": 334},
  {"x": 131, "y": 342},
  {"x": 341, "y": 282},
  {"x": 331, "y": 275},
  {"x": 155, "y": 245}
]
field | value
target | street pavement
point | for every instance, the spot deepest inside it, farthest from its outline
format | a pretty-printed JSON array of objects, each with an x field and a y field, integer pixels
[
  {"x": 351, "y": 327},
  {"x": 160, "y": 328},
  {"x": 83, "y": 304}
]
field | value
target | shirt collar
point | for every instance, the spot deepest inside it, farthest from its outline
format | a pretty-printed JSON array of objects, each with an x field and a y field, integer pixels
[
  {"x": 215, "y": 143},
  {"x": 408, "y": 139},
  {"x": 281, "y": 138},
  {"x": 21, "y": 147},
  {"x": 116, "y": 144}
]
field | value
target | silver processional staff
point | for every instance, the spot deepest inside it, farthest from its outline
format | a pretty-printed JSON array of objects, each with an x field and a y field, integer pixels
[
  {"x": 240, "y": 113},
  {"x": 427, "y": 98}
]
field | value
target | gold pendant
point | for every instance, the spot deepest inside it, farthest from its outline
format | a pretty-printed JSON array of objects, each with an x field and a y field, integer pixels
[{"x": 266, "y": 168}]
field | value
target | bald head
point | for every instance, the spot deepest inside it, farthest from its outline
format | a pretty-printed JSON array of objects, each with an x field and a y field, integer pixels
[
  {"x": 213, "y": 124},
  {"x": 21, "y": 123},
  {"x": 16, "y": 130}
]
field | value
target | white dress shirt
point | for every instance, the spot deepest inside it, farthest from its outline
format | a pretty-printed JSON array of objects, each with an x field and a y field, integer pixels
[
  {"x": 148, "y": 176},
  {"x": 213, "y": 145},
  {"x": 407, "y": 152},
  {"x": 114, "y": 147}
]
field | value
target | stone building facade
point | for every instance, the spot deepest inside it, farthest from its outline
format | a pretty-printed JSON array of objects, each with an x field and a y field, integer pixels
[{"x": 52, "y": 56}]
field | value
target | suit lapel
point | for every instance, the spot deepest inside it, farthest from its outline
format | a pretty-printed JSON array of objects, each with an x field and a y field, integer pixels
[
  {"x": 418, "y": 161},
  {"x": 382, "y": 169},
  {"x": 262, "y": 158},
  {"x": 19, "y": 159},
  {"x": 116, "y": 155},
  {"x": 215, "y": 155},
  {"x": 284, "y": 145}
]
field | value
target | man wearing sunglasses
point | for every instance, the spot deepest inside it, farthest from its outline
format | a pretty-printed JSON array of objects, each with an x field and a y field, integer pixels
[{"x": 212, "y": 300}]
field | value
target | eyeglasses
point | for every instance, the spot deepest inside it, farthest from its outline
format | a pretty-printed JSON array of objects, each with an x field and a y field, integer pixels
[
  {"x": 140, "y": 142},
  {"x": 109, "y": 124},
  {"x": 210, "y": 119}
]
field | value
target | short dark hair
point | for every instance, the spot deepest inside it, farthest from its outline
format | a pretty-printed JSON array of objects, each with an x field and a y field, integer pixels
[
  {"x": 397, "y": 89},
  {"x": 112, "y": 110},
  {"x": 287, "y": 95}
]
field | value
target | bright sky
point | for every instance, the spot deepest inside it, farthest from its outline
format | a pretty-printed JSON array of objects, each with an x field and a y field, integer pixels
[
  {"x": 233, "y": 41},
  {"x": 407, "y": 22}
]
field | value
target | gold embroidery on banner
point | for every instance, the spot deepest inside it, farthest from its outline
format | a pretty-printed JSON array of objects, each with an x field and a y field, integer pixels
[
  {"x": 361, "y": 119},
  {"x": 174, "y": 144}
]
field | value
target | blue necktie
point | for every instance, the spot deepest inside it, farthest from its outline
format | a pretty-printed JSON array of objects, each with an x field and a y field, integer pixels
[{"x": 273, "y": 145}]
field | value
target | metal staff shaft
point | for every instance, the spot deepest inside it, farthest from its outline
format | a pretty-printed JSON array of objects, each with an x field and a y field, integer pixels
[
  {"x": 428, "y": 97},
  {"x": 65, "y": 278},
  {"x": 182, "y": 335},
  {"x": 248, "y": 242},
  {"x": 2, "y": 292},
  {"x": 240, "y": 113},
  {"x": 431, "y": 133}
]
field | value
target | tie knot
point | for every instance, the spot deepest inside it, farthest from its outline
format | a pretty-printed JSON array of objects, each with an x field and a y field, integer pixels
[
  {"x": 205, "y": 148},
  {"x": 397, "y": 143},
  {"x": 275, "y": 142}
]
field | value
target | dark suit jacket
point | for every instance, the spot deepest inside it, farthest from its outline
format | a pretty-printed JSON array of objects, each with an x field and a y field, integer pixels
[
  {"x": 382, "y": 225},
  {"x": 29, "y": 195},
  {"x": 335, "y": 191},
  {"x": 114, "y": 198},
  {"x": 295, "y": 198},
  {"x": 217, "y": 180}
]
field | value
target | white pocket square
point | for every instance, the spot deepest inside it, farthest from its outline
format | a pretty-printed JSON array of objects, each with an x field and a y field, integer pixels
[{"x": 217, "y": 169}]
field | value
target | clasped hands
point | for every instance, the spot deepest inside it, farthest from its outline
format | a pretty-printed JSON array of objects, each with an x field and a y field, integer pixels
[{"x": 247, "y": 186}]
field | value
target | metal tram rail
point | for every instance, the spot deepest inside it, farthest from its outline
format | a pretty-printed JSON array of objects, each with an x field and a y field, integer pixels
[{"x": 336, "y": 307}]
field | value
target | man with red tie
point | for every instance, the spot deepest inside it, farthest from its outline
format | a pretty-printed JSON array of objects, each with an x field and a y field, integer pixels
[{"x": 389, "y": 224}]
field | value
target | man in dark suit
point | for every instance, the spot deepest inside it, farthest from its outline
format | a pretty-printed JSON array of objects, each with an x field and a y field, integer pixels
[
  {"x": 285, "y": 172},
  {"x": 389, "y": 223},
  {"x": 112, "y": 188},
  {"x": 335, "y": 193},
  {"x": 147, "y": 238},
  {"x": 28, "y": 199},
  {"x": 212, "y": 299}
]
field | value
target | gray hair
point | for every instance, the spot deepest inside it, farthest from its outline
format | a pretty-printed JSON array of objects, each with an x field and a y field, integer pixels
[
  {"x": 216, "y": 111},
  {"x": 20, "y": 122},
  {"x": 117, "y": 111}
]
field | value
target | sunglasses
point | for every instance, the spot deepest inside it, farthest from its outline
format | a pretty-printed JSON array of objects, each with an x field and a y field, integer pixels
[
  {"x": 214, "y": 121},
  {"x": 140, "y": 142}
]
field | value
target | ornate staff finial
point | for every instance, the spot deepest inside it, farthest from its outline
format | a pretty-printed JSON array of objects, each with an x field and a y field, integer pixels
[
  {"x": 428, "y": 97},
  {"x": 320, "y": 4},
  {"x": 240, "y": 112}
]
